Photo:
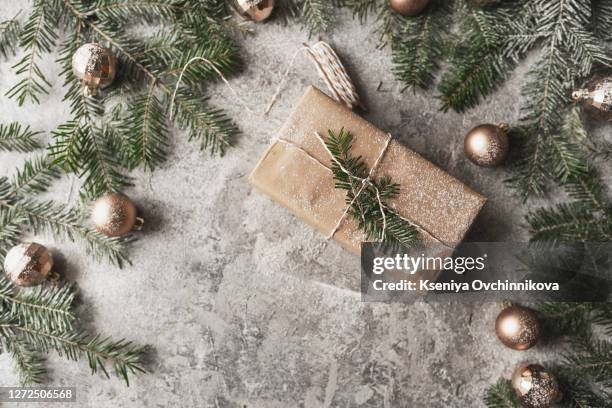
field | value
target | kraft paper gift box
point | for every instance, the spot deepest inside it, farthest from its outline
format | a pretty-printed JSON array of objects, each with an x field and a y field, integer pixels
[{"x": 294, "y": 172}]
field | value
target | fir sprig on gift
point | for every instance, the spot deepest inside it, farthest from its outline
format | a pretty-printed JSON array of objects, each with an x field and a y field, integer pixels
[{"x": 366, "y": 196}]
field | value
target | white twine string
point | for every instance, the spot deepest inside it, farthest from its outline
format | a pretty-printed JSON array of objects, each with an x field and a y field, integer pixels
[
  {"x": 282, "y": 81},
  {"x": 178, "y": 82},
  {"x": 332, "y": 71},
  {"x": 325, "y": 59}
]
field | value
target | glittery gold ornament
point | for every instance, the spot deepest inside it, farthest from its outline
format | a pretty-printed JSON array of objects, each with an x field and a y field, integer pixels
[
  {"x": 487, "y": 145},
  {"x": 599, "y": 96},
  {"x": 535, "y": 387},
  {"x": 518, "y": 327},
  {"x": 408, "y": 8},
  {"x": 114, "y": 214},
  {"x": 28, "y": 264},
  {"x": 256, "y": 10},
  {"x": 95, "y": 66}
]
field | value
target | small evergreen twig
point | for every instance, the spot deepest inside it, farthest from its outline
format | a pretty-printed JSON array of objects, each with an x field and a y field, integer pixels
[
  {"x": 16, "y": 137},
  {"x": 366, "y": 198},
  {"x": 29, "y": 364},
  {"x": 41, "y": 320},
  {"x": 501, "y": 395},
  {"x": 10, "y": 31}
]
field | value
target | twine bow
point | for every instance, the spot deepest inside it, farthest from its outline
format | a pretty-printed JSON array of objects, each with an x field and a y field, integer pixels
[{"x": 364, "y": 182}]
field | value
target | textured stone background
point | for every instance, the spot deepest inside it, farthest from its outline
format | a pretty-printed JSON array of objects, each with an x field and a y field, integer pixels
[{"x": 244, "y": 305}]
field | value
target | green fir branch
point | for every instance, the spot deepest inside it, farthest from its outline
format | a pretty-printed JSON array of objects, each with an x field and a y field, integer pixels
[
  {"x": 602, "y": 16},
  {"x": 374, "y": 217},
  {"x": 148, "y": 134},
  {"x": 16, "y": 137},
  {"x": 501, "y": 395},
  {"x": 124, "y": 357},
  {"x": 530, "y": 169},
  {"x": 10, "y": 32},
  {"x": 28, "y": 363},
  {"x": 418, "y": 46},
  {"x": 319, "y": 15},
  {"x": 11, "y": 224},
  {"x": 37, "y": 38},
  {"x": 362, "y": 8},
  {"x": 47, "y": 308},
  {"x": 121, "y": 11},
  {"x": 590, "y": 359},
  {"x": 35, "y": 176},
  {"x": 211, "y": 127},
  {"x": 491, "y": 42}
]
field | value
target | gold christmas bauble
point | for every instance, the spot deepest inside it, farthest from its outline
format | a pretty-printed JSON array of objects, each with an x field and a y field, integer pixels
[
  {"x": 95, "y": 66},
  {"x": 487, "y": 145},
  {"x": 408, "y": 8},
  {"x": 113, "y": 214},
  {"x": 256, "y": 10},
  {"x": 28, "y": 264},
  {"x": 518, "y": 327},
  {"x": 535, "y": 387},
  {"x": 599, "y": 95}
]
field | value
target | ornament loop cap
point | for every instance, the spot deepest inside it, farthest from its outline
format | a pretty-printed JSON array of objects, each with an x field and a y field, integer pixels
[{"x": 580, "y": 94}]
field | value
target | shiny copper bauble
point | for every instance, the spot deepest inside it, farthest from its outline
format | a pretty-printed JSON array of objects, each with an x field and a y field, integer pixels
[
  {"x": 113, "y": 214},
  {"x": 518, "y": 327},
  {"x": 535, "y": 387},
  {"x": 28, "y": 264},
  {"x": 408, "y": 8},
  {"x": 256, "y": 10},
  {"x": 487, "y": 145},
  {"x": 95, "y": 66}
]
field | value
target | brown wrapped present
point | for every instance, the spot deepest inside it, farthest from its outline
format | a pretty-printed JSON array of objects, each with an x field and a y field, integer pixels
[{"x": 295, "y": 172}]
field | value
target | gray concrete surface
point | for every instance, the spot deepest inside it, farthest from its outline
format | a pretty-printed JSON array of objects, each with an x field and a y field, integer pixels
[{"x": 244, "y": 305}]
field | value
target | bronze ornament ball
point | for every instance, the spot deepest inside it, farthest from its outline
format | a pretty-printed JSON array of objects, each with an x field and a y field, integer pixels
[
  {"x": 487, "y": 145},
  {"x": 518, "y": 327},
  {"x": 95, "y": 66},
  {"x": 28, "y": 264},
  {"x": 113, "y": 214},
  {"x": 408, "y": 8},
  {"x": 256, "y": 10},
  {"x": 535, "y": 387}
]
